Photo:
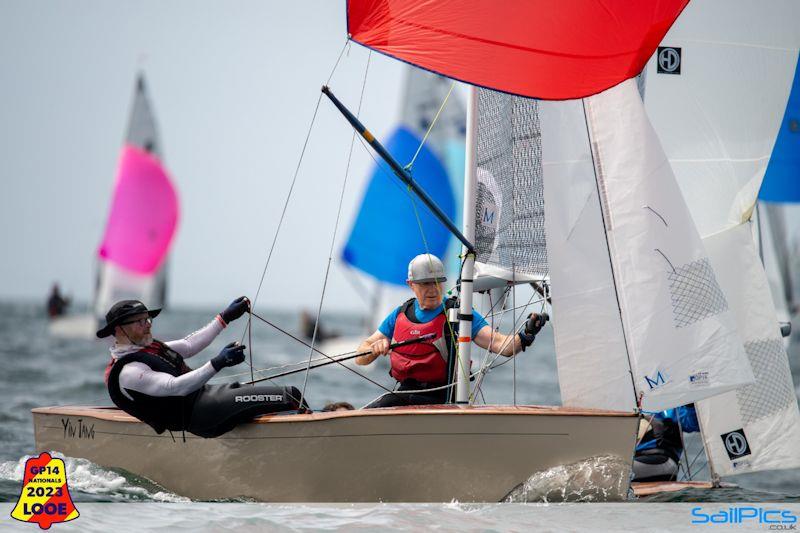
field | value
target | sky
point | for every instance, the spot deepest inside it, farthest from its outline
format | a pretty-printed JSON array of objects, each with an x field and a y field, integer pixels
[{"x": 234, "y": 86}]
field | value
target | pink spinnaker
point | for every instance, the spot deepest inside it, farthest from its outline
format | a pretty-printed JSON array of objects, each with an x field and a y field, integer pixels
[{"x": 144, "y": 214}]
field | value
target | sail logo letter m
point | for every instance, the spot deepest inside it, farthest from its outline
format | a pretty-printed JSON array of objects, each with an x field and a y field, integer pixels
[
  {"x": 656, "y": 381},
  {"x": 488, "y": 216}
]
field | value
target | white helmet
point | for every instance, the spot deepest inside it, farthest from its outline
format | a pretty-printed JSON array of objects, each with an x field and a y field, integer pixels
[{"x": 426, "y": 268}]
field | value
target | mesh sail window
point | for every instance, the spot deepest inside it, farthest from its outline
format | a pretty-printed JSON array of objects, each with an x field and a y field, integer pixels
[{"x": 509, "y": 212}]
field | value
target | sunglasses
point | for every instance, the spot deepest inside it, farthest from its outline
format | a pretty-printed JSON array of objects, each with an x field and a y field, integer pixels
[{"x": 141, "y": 322}]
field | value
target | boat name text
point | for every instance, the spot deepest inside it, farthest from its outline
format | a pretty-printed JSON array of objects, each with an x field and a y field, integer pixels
[{"x": 77, "y": 431}]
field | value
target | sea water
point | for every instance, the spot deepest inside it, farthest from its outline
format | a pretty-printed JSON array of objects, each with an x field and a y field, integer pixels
[{"x": 37, "y": 369}]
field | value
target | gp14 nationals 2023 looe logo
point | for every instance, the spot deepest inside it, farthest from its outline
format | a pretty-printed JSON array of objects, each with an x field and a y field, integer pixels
[{"x": 45, "y": 497}]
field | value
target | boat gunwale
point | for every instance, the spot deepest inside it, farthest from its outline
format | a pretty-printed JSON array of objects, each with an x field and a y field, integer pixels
[{"x": 114, "y": 414}]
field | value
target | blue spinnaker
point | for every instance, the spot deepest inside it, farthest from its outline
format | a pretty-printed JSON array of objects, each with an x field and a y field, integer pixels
[
  {"x": 386, "y": 234},
  {"x": 782, "y": 179}
]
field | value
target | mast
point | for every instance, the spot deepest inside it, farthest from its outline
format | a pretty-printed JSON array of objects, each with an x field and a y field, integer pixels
[{"x": 468, "y": 268}]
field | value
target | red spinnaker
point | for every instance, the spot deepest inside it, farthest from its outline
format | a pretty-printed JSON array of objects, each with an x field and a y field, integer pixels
[{"x": 548, "y": 49}]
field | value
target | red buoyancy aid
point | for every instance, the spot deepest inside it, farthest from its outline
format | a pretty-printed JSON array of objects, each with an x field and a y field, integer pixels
[{"x": 425, "y": 362}]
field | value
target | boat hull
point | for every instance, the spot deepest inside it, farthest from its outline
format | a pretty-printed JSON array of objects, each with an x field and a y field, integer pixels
[{"x": 416, "y": 454}]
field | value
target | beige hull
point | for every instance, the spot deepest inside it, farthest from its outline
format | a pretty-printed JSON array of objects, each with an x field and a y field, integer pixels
[{"x": 416, "y": 454}]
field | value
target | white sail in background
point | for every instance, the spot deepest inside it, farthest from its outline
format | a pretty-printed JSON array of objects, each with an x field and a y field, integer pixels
[
  {"x": 773, "y": 247},
  {"x": 756, "y": 427},
  {"x": 718, "y": 117}
]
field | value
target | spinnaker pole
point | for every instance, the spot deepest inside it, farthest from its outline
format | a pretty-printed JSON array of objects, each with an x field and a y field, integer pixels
[
  {"x": 468, "y": 268},
  {"x": 400, "y": 172}
]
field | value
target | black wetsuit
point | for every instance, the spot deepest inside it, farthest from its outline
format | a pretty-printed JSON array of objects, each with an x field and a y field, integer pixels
[{"x": 208, "y": 411}]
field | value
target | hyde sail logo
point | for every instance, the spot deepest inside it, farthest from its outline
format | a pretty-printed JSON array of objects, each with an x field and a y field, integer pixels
[
  {"x": 669, "y": 60},
  {"x": 45, "y": 498},
  {"x": 736, "y": 444}
]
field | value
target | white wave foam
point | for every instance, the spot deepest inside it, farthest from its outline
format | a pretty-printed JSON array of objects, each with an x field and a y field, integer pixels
[
  {"x": 89, "y": 478},
  {"x": 599, "y": 479}
]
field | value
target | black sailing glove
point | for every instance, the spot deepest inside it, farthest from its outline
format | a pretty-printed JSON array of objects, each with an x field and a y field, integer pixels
[
  {"x": 532, "y": 326},
  {"x": 237, "y": 308},
  {"x": 231, "y": 355}
]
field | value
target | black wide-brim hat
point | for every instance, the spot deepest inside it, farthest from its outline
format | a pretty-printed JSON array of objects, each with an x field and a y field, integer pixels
[{"x": 122, "y": 310}]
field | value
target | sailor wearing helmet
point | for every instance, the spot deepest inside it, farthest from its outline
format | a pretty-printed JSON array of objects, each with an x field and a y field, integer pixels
[{"x": 424, "y": 366}]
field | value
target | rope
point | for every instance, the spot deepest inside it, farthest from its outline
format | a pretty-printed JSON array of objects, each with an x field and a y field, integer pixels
[
  {"x": 250, "y": 344},
  {"x": 335, "y": 65},
  {"x": 319, "y": 352},
  {"x": 479, "y": 380},
  {"x": 291, "y": 187},
  {"x": 333, "y": 237},
  {"x": 430, "y": 128},
  {"x": 286, "y": 204}
]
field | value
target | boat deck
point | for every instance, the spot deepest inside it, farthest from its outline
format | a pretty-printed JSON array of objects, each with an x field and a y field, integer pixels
[{"x": 117, "y": 415}]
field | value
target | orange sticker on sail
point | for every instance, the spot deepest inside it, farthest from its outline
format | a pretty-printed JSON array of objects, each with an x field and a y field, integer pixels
[{"x": 45, "y": 497}]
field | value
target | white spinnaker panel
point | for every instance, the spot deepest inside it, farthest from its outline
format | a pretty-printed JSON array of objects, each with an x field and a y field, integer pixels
[
  {"x": 593, "y": 369},
  {"x": 718, "y": 119},
  {"x": 756, "y": 427},
  {"x": 681, "y": 337}
]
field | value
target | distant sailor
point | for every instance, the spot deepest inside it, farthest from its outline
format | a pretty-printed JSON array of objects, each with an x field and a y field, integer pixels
[
  {"x": 425, "y": 365},
  {"x": 56, "y": 304},
  {"x": 658, "y": 453},
  {"x": 149, "y": 379}
]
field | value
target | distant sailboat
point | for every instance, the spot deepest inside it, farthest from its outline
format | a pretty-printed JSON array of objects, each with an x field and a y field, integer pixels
[
  {"x": 132, "y": 256},
  {"x": 780, "y": 196}
]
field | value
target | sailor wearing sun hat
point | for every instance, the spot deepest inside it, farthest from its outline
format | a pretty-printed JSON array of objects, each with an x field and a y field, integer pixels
[
  {"x": 150, "y": 380},
  {"x": 423, "y": 366}
]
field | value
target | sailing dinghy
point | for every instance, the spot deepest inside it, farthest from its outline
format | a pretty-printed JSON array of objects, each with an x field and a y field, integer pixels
[
  {"x": 617, "y": 231},
  {"x": 132, "y": 256}
]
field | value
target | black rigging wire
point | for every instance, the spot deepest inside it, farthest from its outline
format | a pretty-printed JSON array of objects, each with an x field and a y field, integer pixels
[{"x": 335, "y": 229}]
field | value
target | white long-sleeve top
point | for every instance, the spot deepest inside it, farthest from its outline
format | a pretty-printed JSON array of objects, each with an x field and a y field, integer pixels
[{"x": 141, "y": 378}]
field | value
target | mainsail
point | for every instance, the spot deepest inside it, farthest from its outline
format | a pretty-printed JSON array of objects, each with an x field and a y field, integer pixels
[
  {"x": 582, "y": 190},
  {"x": 718, "y": 116},
  {"x": 678, "y": 334},
  {"x": 142, "y": 220}
]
